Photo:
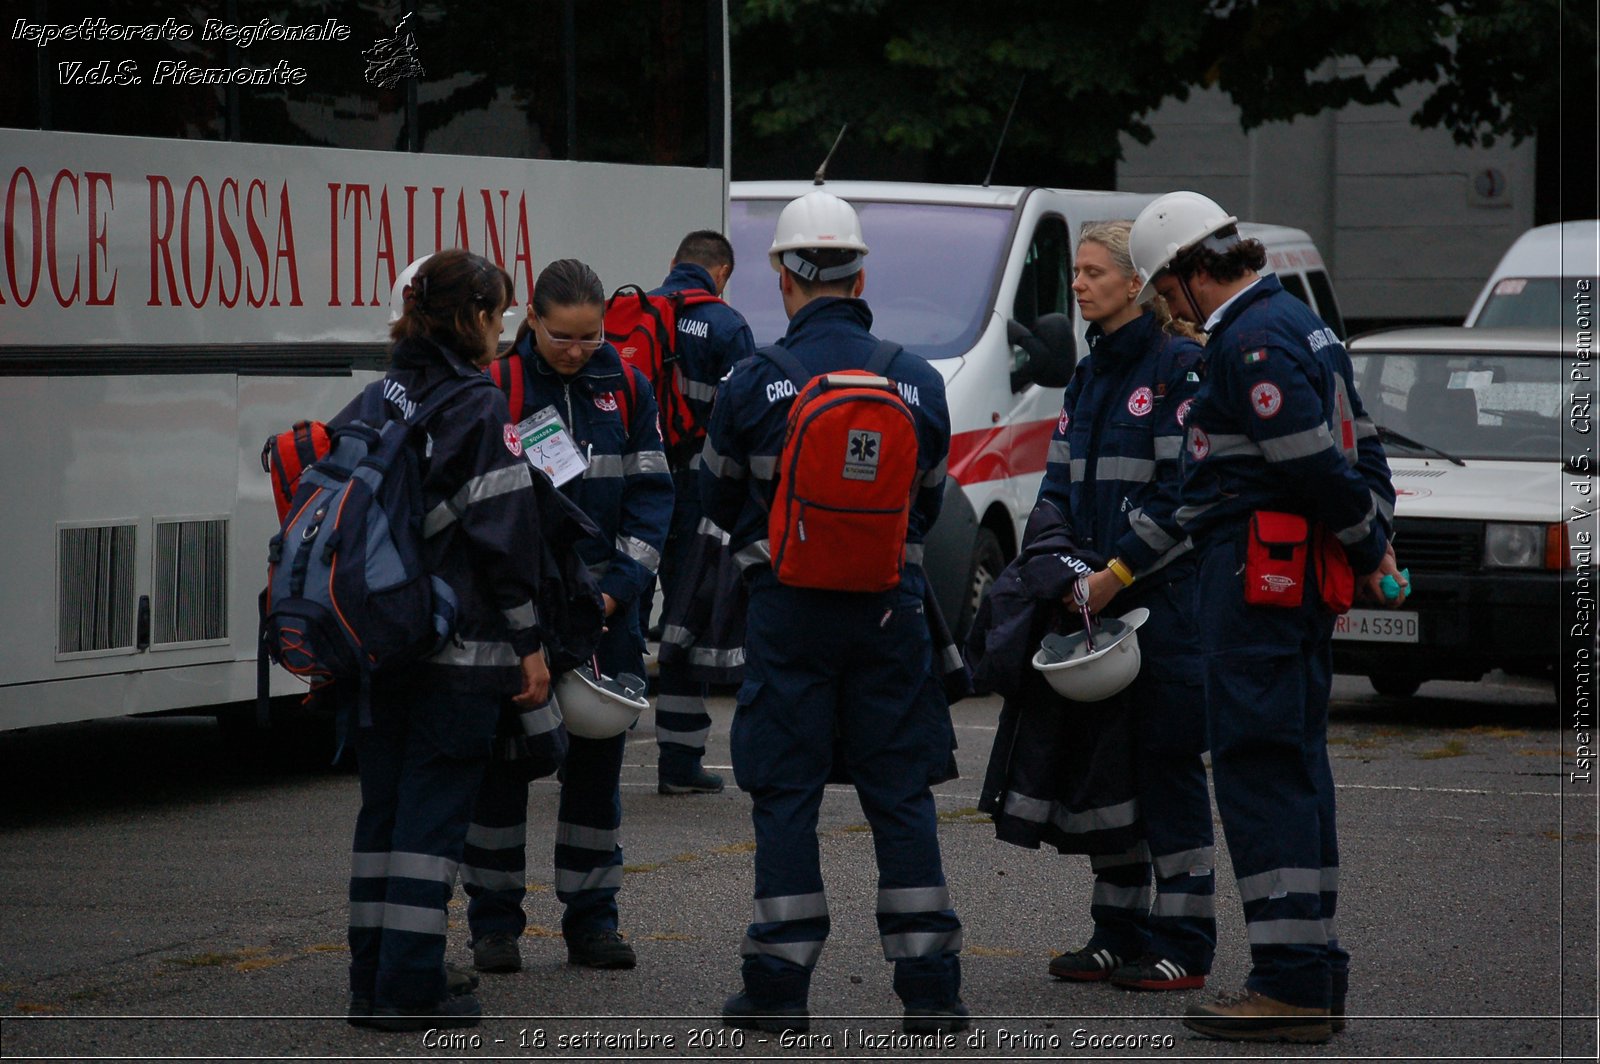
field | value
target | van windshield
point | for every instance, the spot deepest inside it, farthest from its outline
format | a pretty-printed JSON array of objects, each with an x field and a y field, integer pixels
[
  {"x": 1488, "y": 405},
  {"x": 929, "y": 274},
  {"x": 1541, "y": 301}
]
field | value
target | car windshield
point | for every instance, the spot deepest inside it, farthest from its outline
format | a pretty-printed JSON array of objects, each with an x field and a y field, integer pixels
[
  {"x": 929, "y": 274},
  {"x": 1484, "y": 405},
  {"x": 1539, "y": 301}
]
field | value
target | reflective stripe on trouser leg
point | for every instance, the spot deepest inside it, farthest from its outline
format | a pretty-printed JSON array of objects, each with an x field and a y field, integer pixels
[
  {"x": 494, "y": 866},
  {"x": 1267, "y": 683},
  {"x": 1120, "y": 903},
  {"x": 588, "y": 856}
]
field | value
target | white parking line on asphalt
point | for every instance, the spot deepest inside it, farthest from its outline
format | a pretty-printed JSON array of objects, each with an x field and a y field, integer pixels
[{"x": 1444, "y": 790}]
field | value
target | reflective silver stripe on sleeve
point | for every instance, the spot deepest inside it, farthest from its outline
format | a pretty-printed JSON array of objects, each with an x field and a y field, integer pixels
[
  {"x": 1385, "y": 507},
  {"x": 1078, "y": 468},
  {"x": 1132, "y": 470},
  {"x": 726, "y": 468},
  {"x": 1060, "y": 453},
  {"x": 1285, "y": 932},
  {"x": 913, "y": 899},
  {"x": 915, "y": 553},
  {"x": 521, "y": 617},
  {"x": 1197, "y": 862},
  {"x": 365, "y": 864},
  {"x": 499, "y": 482},
  {"x": 763, "y": 466},
  {"x": 422, "y": 866},
  {"x": 1361, "y": 529},
  {"x": 1279, "y": 882},
  {"x": 1114, "y": 897},
  {"x": 791, "y": 907},
  {"x": 541, "y": 719},
  {"x": 508, "y": 837},
  {"x": 476, "y": 653},
  {"x": 639, "y": 551},
  {"x": 603, "y": 466},
  {"x": 1230, "y": 445},
  {"x": 694, "y": 389},
  {"x": 708, "y": 527},
  {"x": 1168, "y": 448},
  {"x": 584, "y": 838},
  {"x": 570, "y": 882},
  {"x": 678, "y": 636},
  {"x": 712, "y": 658},
  {"x": 910, "y": 945},
  {"x": 1150, "y": 534},
  {"x": 1185, "y": 515},
  {"x": 1365, "y": 427},
  {"x": 757, "y": 553},
  {"x": 392, "y": 917},
  {"x": 953, "y": 661},
  {"x": 1177, "y": 903},
  {"x": 643, "y": 462},
  {"x": 1302, "y": 444},
  {"x": 493, "y": 879},
  {"x": 804, "y": 954}
]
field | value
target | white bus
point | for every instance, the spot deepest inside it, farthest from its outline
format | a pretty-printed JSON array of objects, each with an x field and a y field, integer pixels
[{"x": 200, "y": 221}]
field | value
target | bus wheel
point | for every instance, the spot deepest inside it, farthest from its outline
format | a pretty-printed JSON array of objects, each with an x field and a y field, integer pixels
[{"x": 988, "y": 560}]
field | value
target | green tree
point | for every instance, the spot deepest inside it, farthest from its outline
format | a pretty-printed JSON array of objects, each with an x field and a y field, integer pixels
[{"x": 926, "y": 84}]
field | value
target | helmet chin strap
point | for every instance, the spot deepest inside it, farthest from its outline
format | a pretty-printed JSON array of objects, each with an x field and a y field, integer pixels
[{"x": 1188, "y": 293}]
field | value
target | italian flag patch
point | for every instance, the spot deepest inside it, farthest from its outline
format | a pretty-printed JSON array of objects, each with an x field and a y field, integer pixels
[{"x": 1258, "y": 355}]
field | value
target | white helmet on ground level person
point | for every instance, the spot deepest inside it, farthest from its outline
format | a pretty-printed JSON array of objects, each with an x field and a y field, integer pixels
[
  {"x": 397, "y": 294},
  {"x": 1171, "y": 224},
  {"x": 599, "y": 710},
  {"x": 817, "y": 221},
  {"x": 1074, "y": 671}
]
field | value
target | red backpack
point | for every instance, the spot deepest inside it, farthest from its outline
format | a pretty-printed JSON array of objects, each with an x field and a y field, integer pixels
[
  {"x": 506, "y": 372},
  {"x": 846, "y": 476},
  {"x": 288, "y": 454},
  {"x": 644, "y": 330}
]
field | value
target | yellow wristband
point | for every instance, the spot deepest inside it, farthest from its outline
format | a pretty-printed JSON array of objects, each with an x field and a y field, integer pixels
[{"x": 1120, "y": 570}]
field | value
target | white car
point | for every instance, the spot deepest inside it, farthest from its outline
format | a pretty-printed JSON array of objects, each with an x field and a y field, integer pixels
[{"x": 1474, "y": 422}]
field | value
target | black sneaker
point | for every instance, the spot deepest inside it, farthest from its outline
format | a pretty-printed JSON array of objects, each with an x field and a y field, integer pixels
[
  {"x": 1155, "y": 972},
  {"x": 950, "y": 1019},
  {"x": 1086, "y": 965},
  {"x": 697, "y": 782},
  {"x": 600, "y": 949},
  {"x": 456, "y": 1010},
  {"x": 746, "y": 1013},
  {"x": 1336, "y": 1022},
  {"x": 457, "y": 981},
  {"x": 497, "y": 952}
]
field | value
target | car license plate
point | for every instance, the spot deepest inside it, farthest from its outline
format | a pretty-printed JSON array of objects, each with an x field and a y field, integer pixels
[{"x": 1378, "y": 626}]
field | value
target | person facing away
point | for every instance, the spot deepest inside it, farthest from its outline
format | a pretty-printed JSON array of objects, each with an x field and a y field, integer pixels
[
  {"x": 711, "y": 338},
  {"x": 1112, "y": 478},
  {"x": 608, "y": 413},
  {"x": 1278, "y": 446},
  {"x": 423, "y": 755},
  {"x": 834, "y": 679}
]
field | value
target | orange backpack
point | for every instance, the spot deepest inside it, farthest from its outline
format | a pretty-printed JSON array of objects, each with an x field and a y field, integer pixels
[
  {"x": 845, "y": 478},
  {"x": 643, "y": 329}
]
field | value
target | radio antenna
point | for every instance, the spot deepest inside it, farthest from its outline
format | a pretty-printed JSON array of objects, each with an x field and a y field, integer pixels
[
  {"x": 1004, "y": 129},
  {"x": 818, "y": 177}
]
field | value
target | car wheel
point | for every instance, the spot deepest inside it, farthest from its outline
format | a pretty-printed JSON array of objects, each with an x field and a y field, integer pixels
[
  {"x": 1395, "y": 685},
  {"x": 988, "y": 560}
]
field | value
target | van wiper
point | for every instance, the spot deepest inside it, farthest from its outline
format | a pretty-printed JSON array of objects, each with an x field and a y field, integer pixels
[{"x": 1388, "y": 435}]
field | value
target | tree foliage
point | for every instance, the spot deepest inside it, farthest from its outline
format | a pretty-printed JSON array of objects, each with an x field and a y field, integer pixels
[{"x": 934, "y": 79}]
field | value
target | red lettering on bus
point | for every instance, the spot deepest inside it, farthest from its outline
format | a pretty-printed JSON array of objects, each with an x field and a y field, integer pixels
[
  {"x": 160, "y": 238},
  {"x": 258, "y": 240},
  {"x": 385, "y": 252},
  {"x": 51, "y": 225},
  {"x": 230, "y": 243},
  {"x": 286, "y": 250},
  {"x": 204, "y": 199},
  {"x": 361, "y": 198},
  {"x": 411, "y": 242},
  {"x": 461, "y": 238},
  {"x": 438, "y": 217},
  {"x": 98, "y": 237},
  {"x": 11, "y": 236},
  {"x": 333, "y": 244},
  {"x": 524, "y": 252}
]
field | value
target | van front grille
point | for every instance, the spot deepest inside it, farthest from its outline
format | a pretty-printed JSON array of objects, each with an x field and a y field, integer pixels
[{"x": 1438, "y": 546}]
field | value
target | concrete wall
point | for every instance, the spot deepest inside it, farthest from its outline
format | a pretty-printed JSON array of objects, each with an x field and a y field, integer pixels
[{"x": 1410, "y": 222}]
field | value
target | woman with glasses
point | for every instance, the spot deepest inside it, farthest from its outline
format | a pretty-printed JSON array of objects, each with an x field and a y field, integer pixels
[{"x": 607, "y": 458}]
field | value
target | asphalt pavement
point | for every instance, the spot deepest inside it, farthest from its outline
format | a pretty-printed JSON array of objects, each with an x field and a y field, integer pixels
[{"x": 164, "y": 899}]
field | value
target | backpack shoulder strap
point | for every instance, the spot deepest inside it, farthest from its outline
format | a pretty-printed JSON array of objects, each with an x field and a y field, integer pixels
[
  {"x": 788, "y": 363},
  {"x": 507, "y": 376},
  {"x": 628, "y": 396},
  {"x": 694, "y": 297},
  {"x": 443, "y": 393},
  {"x": 882, "y": 355}
]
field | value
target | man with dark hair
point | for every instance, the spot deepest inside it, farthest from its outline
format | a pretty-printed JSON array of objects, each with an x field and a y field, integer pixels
[
  {"x": 837, "y": 677},
  {"x": 1285, "y": 483},
  {"x": 710, "y": 338}
]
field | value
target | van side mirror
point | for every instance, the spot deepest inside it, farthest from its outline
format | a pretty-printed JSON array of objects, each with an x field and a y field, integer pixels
[{"x": 1045, "y": 355}]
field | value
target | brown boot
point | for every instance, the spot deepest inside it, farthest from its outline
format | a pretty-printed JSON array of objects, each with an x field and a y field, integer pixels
[{"x": 1247, "y": 1016}]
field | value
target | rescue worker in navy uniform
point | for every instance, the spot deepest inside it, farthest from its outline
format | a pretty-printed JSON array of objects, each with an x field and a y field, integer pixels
[
  {"x": 423, "y": 755},
  {"x": 1276, "y": 428},
  {"x": 1113, "y": 474},
  {"x": 566, "y": 364},
  {"x": 833, "y": 670},
  {"x": 711, "y": 338}
]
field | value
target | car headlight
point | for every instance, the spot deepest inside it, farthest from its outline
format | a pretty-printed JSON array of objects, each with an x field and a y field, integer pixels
[{"x": 1513, "y": 546}]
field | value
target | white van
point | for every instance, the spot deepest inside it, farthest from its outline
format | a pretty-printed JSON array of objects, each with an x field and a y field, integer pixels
[
  {"x": 977, "y": 280},
  {"x": 1295, "y": 258},
  {"x": 1537, "y": 280},
  {"x": 1472, "y": 422}
]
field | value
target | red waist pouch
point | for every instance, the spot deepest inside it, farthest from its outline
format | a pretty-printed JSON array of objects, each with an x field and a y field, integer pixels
[
  {"x": 1336, "y": 580},
  {"x": 1275, "y": 559}
]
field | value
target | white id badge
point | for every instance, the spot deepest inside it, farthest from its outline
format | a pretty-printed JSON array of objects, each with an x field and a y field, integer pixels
[{"x": 549, "y": 446}]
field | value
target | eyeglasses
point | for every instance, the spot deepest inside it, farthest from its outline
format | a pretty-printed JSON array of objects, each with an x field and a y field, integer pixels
[{"x": 582, "y": 343}]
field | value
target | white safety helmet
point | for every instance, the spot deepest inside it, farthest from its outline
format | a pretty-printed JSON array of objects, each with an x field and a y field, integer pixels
[
  {"x": 1171, "y": 224},
  {"x": 397, "y": 294},
  {"x": 818, "y": 220},
  {"x": 599, "y": 710},
  {"x": 1085, "y": 675}
]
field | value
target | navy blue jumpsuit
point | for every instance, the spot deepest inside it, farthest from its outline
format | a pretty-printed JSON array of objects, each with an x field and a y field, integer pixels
[
  {"x": 827, "y": 667},
  {"x": 1114, "y": 470},
  {"x": 627, "y": 492},
  {"x": 711, "y": 338},
  {"x": 432, "y": 727},
  {"x": 1277, "y": 425}
]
